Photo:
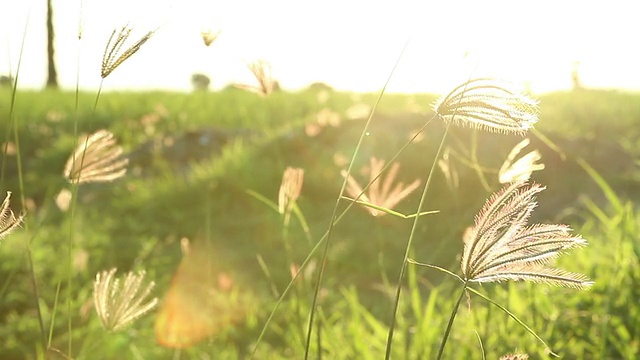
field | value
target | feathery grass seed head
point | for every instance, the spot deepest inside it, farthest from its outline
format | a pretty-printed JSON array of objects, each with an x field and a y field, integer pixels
[
  {"x": 209, "y": 36},
  {"x": 521, "y": 169},
  {"x": 96, "y": 159},
  {"x": 380, "y": 192},
  {"x": 8, "y": 220},
  {"x": 119, "y": 304},
  {"x": 114, "y": 56},
  {"x": 490, "y": 105},
  {"x": 261, "y": 70},
  {"x": 290, "y": 189},
  {"x": 501, "y": 246}
]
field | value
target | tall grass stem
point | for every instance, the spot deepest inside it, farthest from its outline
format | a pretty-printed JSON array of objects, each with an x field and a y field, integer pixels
[
  {"x": 339, "y": 198},
  {"x": 447, "y": 331},
  {"x": 403, "y": 266}
]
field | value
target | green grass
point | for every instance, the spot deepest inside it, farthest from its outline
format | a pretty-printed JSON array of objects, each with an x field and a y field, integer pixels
[{"x": 200, "y": 192}]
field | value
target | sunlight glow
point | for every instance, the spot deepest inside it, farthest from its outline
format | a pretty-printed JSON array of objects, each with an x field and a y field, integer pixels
[{"x": 348, "y": 45}]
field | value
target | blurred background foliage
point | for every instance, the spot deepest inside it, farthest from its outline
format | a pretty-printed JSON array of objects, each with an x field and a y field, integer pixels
[{"x": 195, "y": 156}]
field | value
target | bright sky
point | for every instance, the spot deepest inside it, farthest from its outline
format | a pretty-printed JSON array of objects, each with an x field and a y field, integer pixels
[{"x": 350, "y": 45}]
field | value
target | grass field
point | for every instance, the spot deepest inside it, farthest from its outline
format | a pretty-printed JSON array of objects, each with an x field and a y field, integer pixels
[{"x": 201, "y": 165}]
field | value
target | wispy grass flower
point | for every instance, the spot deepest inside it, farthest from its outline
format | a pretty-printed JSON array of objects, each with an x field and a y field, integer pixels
[
  {"x": 114, "y": 56},
  {"x": 96, "y": 159},
  {"x": 290, "y": 189},
  {"x": 262, "y": 72},
  {"x": 380, "y": 193},
  {"x": 8, "y": 220},
  {"x": 209, "y": 36},
  {"x": 521, "y": 169},
  {"x": 501, "y": 246},
  {"x": 489, "y": 104},
  {"x": 118, "y": 303}
]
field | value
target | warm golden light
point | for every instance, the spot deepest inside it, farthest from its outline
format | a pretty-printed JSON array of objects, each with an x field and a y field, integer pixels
[{"x": 539, "y": 44}]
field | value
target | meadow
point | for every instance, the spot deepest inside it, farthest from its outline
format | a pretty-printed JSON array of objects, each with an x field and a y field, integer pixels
[{"x": 206, "y": 167}]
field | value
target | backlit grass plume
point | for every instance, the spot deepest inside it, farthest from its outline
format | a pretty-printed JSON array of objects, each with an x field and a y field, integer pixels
[
  {"x": 8, "y": 220},
  {"x": 380, "y": 192},
  {"x": 490, "y": 105},
  {"x": 114, "y": 56},
  {"x": 290, "y": 189},
  {"x": 501, "y": 246},
  {"x": 96, "y": 159},
  {"x": 522, "y": 168},
  {"x": 209, "y": 36},
  {"x": 262, "y": 72},
  {"x": 119, "y": 304}
]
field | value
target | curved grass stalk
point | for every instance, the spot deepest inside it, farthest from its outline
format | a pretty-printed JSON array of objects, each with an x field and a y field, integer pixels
[
  {"x": 408, "y": 246},
  {"x": 335, "y": 222},
  {"x": 389, "y": 211},
  {"x": 12, "y": 125},
  {"x": 514, "y": 317},
  {"x": 335, "y": 209},
  {"x": 447, "y": 331},
  {"x": 285, "y": 292}
]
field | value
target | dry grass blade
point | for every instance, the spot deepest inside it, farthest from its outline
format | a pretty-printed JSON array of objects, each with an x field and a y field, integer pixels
[
  {"x": 114, "y": 56},
  {"x": 118, "y": 306},
  {"x": 380, "y": 192},
  {"x": 96, "y": 159},
  {"x": 8, "y": 220},
  {"x": 490, "y": 105},
  {"x": 500, "y": 246}
]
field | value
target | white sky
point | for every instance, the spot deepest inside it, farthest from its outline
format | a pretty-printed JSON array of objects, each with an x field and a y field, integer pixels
[{"x": 350, "y": 45}]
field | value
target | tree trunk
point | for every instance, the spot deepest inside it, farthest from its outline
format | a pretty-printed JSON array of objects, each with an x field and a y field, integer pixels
[{"x": 52, "y": 74}]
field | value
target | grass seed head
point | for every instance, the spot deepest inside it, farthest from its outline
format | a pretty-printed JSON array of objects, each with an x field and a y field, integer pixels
[
  {"x": 501, "y": 246},
  {"x": 290, "y": 189},
  {"x": 114, "y": 56},
  {"x": 119, "y": 303},
  {"x": 209, "y": 36},
  {"x": 521, "y": 169},
  {"x": 380, "y": 191},
  {"x": 8, "y": 220},
  {"x": 96, "y": 159},
  {"x": 490, "y": 105},
  {"x": 262, "y": 72}
]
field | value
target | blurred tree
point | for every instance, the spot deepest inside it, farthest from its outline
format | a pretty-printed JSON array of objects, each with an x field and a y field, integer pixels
[{"x": 52, "y": 74}]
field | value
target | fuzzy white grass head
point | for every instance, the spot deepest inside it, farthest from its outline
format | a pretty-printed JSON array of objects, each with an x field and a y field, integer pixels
[
  {"x": 501, "y": 246},
  {"x": 489, "y": 104},
  {"x": 96, "y": 159},
  {"x": 8, "y": 220},
  {"x": 119, "y": 303}
]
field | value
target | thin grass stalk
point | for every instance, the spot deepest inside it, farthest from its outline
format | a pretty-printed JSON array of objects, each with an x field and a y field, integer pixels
[
  {"x": 53, "y": 314},
  {"x": 335, "y": 208},
  {"x": 13, "y": 124},
  {"x": 447, "y": 331},
  {"x": 409, "y": 242},
  {"x": 324, "y": 236},
  {"x": 74, "y": 190},
  {"x": 514, "y": 317}
]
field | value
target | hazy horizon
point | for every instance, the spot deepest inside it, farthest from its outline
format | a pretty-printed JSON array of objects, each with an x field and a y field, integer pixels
[{"x": 349, "y": 46}]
